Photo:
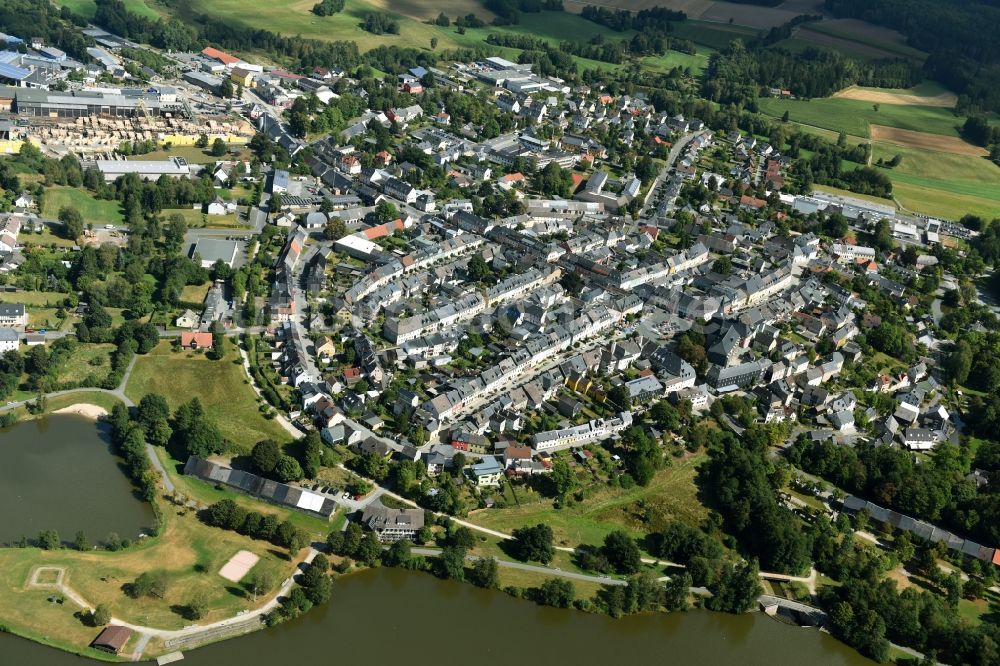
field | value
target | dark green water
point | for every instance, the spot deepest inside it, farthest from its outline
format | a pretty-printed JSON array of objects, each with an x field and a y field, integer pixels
[
  {"x": 60, "y": 473},
  {"x": 391, "y": 616}
]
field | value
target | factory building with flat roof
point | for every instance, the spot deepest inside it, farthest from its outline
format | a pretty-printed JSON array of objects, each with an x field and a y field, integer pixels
[
  {"x": 175, "y": 167},
  {"x": 83, "y": 103}
]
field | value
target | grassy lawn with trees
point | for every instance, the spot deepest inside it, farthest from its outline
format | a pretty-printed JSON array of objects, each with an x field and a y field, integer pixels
[
  {"x": 206, "y": 494},
  {"x": 671, "y": 495},
  {"x": 196, "y": 218},
  {"x": 221, "y": 386},
  {"x": 188, "y": 555},
  {"x": 89, "y": 359},
  {"x": 94, "y": 211}
]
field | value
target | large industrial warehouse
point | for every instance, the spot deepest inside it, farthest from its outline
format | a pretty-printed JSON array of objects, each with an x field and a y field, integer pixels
[{"x": 84, "y": 103}]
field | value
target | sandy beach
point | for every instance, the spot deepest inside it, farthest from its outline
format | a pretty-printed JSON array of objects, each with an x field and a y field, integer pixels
[{"x": 84, "y": 409}]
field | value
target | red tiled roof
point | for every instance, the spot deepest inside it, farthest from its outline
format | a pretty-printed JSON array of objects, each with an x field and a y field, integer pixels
[
  {"x": 221, "y": 56},
  {"x": 280, "y": 73},
  {"x": 197, "y": 340}
]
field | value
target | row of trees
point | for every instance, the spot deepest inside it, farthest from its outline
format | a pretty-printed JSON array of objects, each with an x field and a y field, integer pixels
[{"x": 229, "y": 515}]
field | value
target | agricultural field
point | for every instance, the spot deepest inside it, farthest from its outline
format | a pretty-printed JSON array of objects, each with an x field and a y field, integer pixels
[
  {"x": 221, "y": 386},
  {"x": 925, "y": 141},
  {"x": 859, "y": 39},
  {"x": 927, "y": 93},
  {"x": 94, "y": 211},
  {"x": 856, "y": 117},
  {"x": 294, "y": 17},
  {"x": 946, "y": 184}
]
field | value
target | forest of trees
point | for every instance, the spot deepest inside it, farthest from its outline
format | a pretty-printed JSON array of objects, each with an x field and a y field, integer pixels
[
  {"x": 379, "y": 24},
  {"x": 328, "y": 7},
  {"x": 963, "y": 56},
  {"x": 60, "y": 28},
  {"x": 934, "y": 490},
  {"x": 737, "y": 73},
  {"x": 508, "y": 11},
  {"x": 654, "y": 19},
  {"x": 740, "y": 483}
]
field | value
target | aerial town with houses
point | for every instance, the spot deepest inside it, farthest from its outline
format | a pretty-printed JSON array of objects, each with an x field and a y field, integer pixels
[{"x": 479, "y": 292}]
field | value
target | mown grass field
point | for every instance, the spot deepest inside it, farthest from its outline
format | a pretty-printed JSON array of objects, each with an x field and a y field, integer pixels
[
  {"x": 190, "y": 153},
  {"x": 195, "y": 293},
  {"x": 87, "y": 8},
  {"x": 671, "y": 495},
  {"x": 206, "y": 493},
  {"x": 196, "y": 218},
  {"x": 94, "y": 211},
  {"x": 943, "y": 184},
  {"x": 34, "y": 298},
  {"x": 855, "y": 117},
  {"x": 221, "y": 386}
]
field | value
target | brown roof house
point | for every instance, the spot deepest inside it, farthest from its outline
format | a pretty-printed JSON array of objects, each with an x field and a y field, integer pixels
[{"x": 112, "y": 639}]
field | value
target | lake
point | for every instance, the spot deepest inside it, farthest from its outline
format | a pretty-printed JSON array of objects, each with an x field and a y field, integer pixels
[
  {"x": 60, "y": 473},
  {"x": 393, "y": 616}
]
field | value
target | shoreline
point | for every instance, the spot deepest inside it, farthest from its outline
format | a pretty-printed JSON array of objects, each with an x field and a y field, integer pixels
[
  {"x": 84, "y": 409},
  {"x": 101, "y": 657}
]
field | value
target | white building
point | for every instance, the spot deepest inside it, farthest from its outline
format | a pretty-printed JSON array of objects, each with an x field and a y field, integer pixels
[
  {"x": 581, "y": 435},
  {"x": 10, "y": 340}
]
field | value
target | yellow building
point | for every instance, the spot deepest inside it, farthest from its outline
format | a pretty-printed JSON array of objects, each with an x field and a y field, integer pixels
[{"x": 242, "y": 77}]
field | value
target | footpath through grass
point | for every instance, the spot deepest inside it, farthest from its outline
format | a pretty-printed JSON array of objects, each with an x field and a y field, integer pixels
[
  {"x": 189, "y": 555},
  {"x": 221, "y": 386}
]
